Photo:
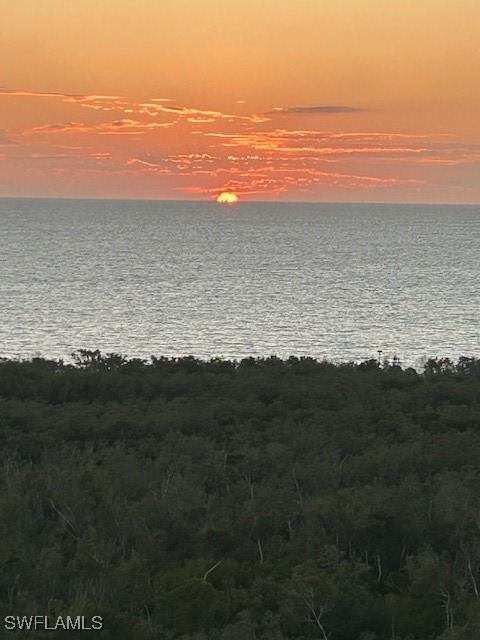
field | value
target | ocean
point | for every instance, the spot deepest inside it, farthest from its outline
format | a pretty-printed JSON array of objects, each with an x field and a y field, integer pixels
[{"x": 335, "y": 281}]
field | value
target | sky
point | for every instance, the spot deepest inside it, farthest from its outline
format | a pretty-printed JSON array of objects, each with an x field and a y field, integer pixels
[{"x": 315, "y": 100}]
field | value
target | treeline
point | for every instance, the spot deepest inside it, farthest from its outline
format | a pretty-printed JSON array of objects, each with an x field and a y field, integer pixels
[{"x": 264, "y": 499}]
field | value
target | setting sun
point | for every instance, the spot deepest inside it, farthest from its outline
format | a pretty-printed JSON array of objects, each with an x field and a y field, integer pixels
[{"x": 227, "y": 197}]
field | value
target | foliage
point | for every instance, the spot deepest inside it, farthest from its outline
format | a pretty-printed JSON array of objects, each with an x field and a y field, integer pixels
[{"x": 262, "y": 499}]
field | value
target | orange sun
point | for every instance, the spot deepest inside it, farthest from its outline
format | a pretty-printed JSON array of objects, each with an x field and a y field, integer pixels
[{"x": 227, "y": 197}]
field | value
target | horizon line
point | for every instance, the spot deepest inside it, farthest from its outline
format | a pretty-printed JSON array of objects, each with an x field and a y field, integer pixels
[{"x": 240, "y": 202}]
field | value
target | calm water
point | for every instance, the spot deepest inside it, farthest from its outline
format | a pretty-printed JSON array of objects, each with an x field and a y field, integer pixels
[{"x": 144, "y": 278}]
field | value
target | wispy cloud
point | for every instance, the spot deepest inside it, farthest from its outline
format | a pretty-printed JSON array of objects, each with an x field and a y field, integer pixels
[
  {"x": 318, "y": 143},
  {"x": 258, "y": 174},
  {"x": 35, "y": 94},
  {"x": 321, "y": 108},
  {"x": 124, "y": 126},
  {"x": 153, "y": 107},
  {"x": 79, "y": 127},
  {"x": 35, "y": 156},
  {"x": 283, "y": 181},
  {"x": 179, "y": 164},
  {"x": 66, "y": 97},
  {"x": 193, "y": 114}
]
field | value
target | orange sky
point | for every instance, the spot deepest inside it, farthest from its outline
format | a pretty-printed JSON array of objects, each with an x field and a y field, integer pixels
[{"x": 358, "y": 100}]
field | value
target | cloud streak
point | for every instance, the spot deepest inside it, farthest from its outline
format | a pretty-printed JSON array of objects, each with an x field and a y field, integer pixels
[
  {"x": 152, "y": 108},
  {"x": 316, "y": 109},
  {"x": 193, "y": 114},
  {"x": 64, "y": 97},
  {"x": 318, "y": 143},
  {"x": 124, "y": 126}
]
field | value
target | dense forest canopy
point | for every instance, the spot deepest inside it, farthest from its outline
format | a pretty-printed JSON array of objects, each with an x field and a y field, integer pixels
[{"x": 265, "y": 499}]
